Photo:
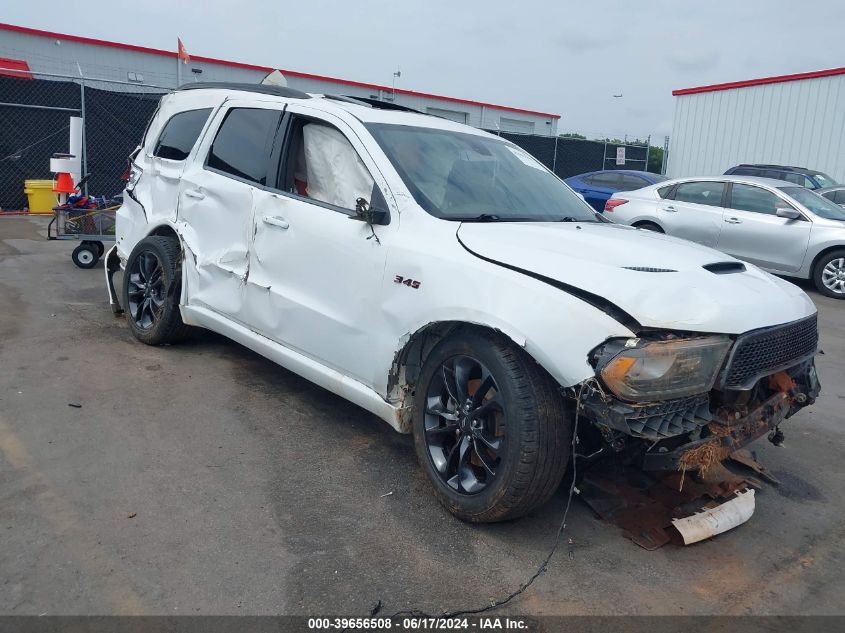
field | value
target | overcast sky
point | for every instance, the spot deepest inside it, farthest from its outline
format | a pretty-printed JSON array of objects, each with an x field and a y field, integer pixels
[{"x": 562, "y": 57}]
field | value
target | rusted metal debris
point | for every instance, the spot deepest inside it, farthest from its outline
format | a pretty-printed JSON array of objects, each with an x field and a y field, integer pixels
[{"x": 644, "y": 504}]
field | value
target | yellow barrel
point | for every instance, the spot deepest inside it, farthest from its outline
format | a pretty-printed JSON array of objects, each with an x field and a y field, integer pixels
[{"x": 40, "y": 195}]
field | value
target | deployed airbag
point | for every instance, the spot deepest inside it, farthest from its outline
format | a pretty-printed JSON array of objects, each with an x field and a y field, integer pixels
[{"x": 336, "y": 174}]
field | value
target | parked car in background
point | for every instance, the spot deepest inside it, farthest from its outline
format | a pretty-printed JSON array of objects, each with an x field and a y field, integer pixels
[
  {"x": 783, "y": 228},
  {"x": 835, "y": 194},
  {"x": 809, "y": 178},
  {"x": 598, "y": 186}
]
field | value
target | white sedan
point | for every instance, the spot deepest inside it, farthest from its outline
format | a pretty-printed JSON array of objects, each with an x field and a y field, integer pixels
[{"x": 781, "y": 227}]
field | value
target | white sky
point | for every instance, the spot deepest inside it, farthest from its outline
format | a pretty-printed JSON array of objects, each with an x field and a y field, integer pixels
[{"x": 562, "y": 57}]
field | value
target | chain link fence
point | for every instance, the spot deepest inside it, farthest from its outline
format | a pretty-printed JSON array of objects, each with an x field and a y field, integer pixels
[
  {"x": 571, "y": 156},
  {"x": 36, "y": 108}
]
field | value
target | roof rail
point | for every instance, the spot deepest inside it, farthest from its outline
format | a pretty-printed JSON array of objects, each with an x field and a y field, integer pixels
[
  {"x": 346, "y": 99},
  {"x": 386, "y": 105},
  {"x": 772, "y": 166},
  {"x": 276, "y": 91}
]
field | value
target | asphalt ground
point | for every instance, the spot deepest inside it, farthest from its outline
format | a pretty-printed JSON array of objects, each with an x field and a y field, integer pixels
[{"x": 203, "y": 479}]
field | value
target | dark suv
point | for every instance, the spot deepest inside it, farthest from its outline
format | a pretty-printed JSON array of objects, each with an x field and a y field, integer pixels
[{"x": 809, "y": 178}]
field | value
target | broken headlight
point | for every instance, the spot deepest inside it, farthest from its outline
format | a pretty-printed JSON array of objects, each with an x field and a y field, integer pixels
[{"x": 643, "y": 370}]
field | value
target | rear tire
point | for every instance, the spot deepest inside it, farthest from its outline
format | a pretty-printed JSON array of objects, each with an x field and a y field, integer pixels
[
  {"x": 502, "y": 400},
  {"x": 649, "y": 226},
  {"x": 829, "y": 274},
  {"x": 151, "y": 289}
]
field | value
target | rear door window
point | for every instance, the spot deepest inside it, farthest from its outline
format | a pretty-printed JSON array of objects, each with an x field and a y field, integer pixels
[
  {"x": 705, "y": 192},
  {"x": 839, "y": 196},
  {"x": 243, "y": 144},
  {"x": 610, "y": 181},
  {"x": 798, "y": 179},
  {"x": 630, "y": 183},
  {"x": 180, "y": 133}
]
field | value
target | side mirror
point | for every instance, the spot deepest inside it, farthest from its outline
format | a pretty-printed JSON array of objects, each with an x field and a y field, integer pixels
[
  {"x": 788, "y": 213},
  {"x": 373, "y": 211}
]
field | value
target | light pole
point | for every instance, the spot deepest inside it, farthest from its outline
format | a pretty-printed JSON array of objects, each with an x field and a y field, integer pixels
[{"x": 396, "y": 75}]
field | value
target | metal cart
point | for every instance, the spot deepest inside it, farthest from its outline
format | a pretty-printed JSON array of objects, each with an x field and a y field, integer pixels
[{"x": 91, "y": 226}]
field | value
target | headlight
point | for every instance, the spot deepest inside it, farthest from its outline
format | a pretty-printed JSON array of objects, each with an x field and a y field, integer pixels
[{"x": 641, "y": 370}]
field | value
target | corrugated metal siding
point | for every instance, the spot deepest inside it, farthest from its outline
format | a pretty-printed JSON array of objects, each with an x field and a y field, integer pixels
[
  {"x": 68, "y": 57},
  {"x": 798, "y": 123}
]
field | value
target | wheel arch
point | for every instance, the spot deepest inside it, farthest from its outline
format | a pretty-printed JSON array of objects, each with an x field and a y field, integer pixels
[
  {"x": 647, "y": 220},
  {"x": 414, "y": 350},
  {"x": 164, "y": 230},
  {"x": 825, "y": 251}
]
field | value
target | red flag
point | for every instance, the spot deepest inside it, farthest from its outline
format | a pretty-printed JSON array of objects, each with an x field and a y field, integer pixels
[{"x": 183, "y": 54}]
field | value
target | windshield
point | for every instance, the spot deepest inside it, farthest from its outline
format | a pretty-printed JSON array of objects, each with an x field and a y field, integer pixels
[
  {"x": 824, "y": 180},
  {"x": 819, "y": 205},
  {"x": 467, "y": 177}
]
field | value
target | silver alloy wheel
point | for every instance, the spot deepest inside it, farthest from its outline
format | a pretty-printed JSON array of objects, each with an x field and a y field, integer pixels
[{"x": 833, "y": 275}]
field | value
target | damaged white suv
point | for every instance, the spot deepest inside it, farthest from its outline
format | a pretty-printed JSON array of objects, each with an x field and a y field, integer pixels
[{"x": 443, "y": 279}]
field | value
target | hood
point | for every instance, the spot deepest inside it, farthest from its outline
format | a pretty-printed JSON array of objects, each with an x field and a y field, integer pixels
[{"x": 598, "y": 258}]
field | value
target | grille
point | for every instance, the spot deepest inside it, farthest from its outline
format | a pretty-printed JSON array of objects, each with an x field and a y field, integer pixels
[{"x": 766, "y": 351}]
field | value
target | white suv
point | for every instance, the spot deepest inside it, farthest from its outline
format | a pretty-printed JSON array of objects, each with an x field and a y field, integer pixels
[{"x": 443, "y": 279}]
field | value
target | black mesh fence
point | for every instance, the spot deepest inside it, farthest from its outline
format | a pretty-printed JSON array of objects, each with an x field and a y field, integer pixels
[
  {"x": 569, "y": 156},
  {"x": 35, "y": 113}
]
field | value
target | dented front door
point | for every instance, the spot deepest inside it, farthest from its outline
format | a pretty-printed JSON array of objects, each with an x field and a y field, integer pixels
[
  {"x": 315, "y": 273},
  {"x": 216, "y": 202}
]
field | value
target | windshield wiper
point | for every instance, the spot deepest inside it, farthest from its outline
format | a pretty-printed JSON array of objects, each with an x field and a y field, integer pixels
[{"x": 483, "y": 217}]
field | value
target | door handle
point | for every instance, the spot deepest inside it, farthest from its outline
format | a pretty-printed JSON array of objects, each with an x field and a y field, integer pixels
[
  {"x": 670, "y": 209},
  {"x": 733, "y": 220},
  {"x": 195, "y": 193},
  {"x": 275, "y": 220}
]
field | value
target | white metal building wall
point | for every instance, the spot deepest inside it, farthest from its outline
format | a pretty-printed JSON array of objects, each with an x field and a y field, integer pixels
[
  {"x": 800, "y": 123},
  {"x": 69, "y": 57}
]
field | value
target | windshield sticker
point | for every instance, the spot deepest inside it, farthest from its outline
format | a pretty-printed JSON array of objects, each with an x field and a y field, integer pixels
[{"x": 525, "y": 158}]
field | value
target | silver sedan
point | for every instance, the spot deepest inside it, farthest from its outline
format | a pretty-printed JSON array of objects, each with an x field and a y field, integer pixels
[{"x": 781, "y": 227}]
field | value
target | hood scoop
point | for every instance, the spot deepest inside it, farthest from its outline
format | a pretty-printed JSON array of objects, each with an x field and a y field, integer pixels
[
  {"x": 725, "y": 268},
  {"x": 650, "y": 269}
]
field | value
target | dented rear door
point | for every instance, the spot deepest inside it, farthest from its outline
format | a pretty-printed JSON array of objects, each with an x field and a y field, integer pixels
[{"x": 216, "y": 203}]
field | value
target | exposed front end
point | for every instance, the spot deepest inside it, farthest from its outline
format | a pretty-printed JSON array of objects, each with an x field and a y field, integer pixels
[{"x": 694, "y": 399}]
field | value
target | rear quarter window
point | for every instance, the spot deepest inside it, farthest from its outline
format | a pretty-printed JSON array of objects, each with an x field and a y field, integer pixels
[
  {"x": 664, "y": 192},
  {"x": 180, "y": 133}
]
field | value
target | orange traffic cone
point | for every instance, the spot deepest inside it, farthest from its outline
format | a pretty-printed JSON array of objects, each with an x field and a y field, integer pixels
[{"x": 64, "y": 183}]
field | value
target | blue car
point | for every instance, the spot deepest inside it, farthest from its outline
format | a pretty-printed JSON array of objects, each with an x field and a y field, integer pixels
[{"x": 598, "y": 186}]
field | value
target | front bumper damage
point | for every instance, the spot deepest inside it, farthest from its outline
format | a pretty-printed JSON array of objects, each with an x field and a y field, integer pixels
[{"x": 681, "y": 470}]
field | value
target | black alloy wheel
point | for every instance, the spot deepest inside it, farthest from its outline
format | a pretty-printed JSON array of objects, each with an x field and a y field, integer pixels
[
  {"x": 465, "y": 424},
  {"x": 146, "y": 291}
]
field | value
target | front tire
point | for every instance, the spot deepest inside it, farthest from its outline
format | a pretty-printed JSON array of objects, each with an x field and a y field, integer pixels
[
  {"x": 151, "y": 290},
  {"x": 829, "y": 274},
  {"x": 491, "y": 428}
]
